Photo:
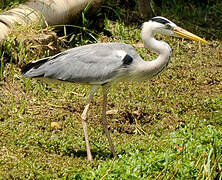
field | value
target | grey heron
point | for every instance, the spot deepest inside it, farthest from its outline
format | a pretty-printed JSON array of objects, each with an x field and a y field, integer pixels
[{"x": 106, "y": 63}]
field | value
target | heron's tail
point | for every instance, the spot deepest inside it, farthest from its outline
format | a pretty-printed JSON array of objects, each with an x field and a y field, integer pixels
[{"x": 31, "y": 69}]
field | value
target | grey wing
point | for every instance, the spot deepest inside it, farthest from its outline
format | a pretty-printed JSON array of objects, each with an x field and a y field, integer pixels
[{"x": 93, "y": 64}]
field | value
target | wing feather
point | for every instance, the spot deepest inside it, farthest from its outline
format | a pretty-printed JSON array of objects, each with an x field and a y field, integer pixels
[{"x": 93, "y": 64}]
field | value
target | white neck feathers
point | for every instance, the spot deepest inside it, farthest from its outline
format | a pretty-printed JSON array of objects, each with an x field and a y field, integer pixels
[{"x": 161, "y": 47}]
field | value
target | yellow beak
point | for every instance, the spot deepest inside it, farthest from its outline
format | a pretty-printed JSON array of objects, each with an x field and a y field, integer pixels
[{"x": 183, "y": 33}]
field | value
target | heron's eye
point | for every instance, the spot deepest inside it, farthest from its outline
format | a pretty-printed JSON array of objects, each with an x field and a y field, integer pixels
[{"x": 168, "y": 26}]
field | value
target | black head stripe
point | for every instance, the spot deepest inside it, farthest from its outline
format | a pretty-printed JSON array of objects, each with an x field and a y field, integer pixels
[
  {"x": 160, "y": 20},
  {"x": 140, "y": 26}
]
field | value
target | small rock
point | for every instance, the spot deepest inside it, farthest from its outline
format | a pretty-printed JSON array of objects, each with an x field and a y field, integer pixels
[
  {"x": 114, "y": 111},
  {"x": 56, "y": 126},
  {"x": 137, "y": 112}
]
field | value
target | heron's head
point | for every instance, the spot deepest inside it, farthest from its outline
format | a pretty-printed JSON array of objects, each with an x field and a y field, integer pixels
[{"x": 166, "y": 27}]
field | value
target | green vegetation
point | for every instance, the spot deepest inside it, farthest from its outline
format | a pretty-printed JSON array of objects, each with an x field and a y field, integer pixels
[
  {"x": 167, "y": 128},
  {"x": 5, "y": 4}
]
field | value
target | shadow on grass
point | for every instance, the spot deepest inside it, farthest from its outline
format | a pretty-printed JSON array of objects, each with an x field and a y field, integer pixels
[{"x": 95, "y": 153}]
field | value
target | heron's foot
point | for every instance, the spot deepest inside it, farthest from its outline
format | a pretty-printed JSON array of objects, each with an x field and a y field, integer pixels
[
  {"x": 89, "y": 157},
  {"x": 104, "y": 123},
  {"x": 115, "y": 155}
]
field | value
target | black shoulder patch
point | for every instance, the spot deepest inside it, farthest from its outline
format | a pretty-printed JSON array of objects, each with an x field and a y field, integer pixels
[
  {"x": 160, "y": 20},
  {"x": 127, "y": 60}
]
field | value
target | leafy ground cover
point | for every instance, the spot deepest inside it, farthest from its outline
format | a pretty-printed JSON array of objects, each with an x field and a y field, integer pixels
[{"x": 167, "y": 128}]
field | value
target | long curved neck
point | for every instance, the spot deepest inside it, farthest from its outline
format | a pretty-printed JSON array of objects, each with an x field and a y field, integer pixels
[{"x": 162, "y": 48}]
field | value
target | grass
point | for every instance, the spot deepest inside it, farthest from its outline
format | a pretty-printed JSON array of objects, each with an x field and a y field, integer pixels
[
  {"x": 167, "y": 128},
  {"x": 6, "y": 4}
]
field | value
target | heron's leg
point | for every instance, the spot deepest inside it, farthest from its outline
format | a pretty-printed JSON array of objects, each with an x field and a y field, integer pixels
[
  {"x": 84, "y": 123},
  {"x": 104, "y": 121}
]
